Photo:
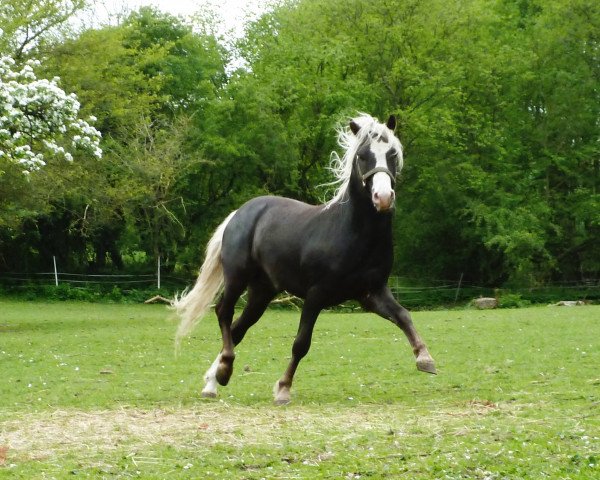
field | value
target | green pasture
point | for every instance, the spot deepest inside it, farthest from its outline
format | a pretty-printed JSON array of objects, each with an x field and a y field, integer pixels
[{"x": 95, "y": 391}]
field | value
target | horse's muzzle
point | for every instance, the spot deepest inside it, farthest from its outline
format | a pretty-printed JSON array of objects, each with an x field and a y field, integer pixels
[
  {"x": 382, "y": 191},
  {"x": 383, "y": 201}
]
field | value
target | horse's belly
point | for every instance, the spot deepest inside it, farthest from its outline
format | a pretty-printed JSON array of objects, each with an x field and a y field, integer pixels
[{"x": 284, "y": 274}]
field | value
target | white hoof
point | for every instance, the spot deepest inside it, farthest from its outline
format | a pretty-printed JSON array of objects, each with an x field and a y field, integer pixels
[
  {"x": 281, "y": 394},
  {"x": 210, "y": 380}
]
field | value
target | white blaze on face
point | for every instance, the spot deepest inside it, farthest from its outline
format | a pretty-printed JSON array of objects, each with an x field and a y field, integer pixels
[{"x": 382, "y": 190}]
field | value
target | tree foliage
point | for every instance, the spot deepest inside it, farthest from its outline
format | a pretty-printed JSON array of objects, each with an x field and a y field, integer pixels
[
  {"x": 38, "y": 119},
  {"x": 495, "y": 100},
  {"x": 29, "y": 24},
  {"x": 498, "y": 108}
]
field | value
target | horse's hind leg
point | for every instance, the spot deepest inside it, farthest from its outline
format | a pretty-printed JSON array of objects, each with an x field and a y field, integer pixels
[
  {"x": 259, "y": 297},
  {"x": 225, "y": 309},
  {"x": 210, "y": 379},
  {"x": 384, "y": 304},
  {"x": 221, "y": 369},
  {"x": 281, "y": 390}
]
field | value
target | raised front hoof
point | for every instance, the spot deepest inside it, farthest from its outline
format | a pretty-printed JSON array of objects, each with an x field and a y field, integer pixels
[
  {"x": 209, "y": 395},
  {"x": 427, "y": 366},
  {"x": 280, "y": 402}
]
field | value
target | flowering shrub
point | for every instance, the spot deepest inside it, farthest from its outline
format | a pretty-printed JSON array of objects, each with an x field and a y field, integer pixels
[{"x": 39, "y": 120}]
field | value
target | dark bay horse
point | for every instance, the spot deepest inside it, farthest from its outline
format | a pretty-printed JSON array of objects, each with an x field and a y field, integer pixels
[{"x": 325, "y": 254}]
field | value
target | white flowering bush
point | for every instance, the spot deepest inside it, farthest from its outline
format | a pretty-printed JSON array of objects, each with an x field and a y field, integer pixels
[{"x": 38, "y": 120}]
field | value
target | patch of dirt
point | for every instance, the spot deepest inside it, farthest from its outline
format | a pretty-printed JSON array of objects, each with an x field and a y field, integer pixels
[{"x": 41, "y": 435}]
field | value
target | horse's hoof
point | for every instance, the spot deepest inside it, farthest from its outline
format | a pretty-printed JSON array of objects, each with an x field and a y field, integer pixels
[
  {"x": 281, "y": 393},
  {"x": 426, "y": 366},
  {"x": 209, "y": 395},
  {"x": 223, "y": 374}
]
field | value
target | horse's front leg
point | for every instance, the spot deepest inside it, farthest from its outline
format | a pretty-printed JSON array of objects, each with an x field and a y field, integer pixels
[{"x": 384, "y": 304}]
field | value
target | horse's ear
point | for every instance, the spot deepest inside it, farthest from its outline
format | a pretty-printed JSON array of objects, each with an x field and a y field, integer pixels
[
  {"x": 354, "y": 127},
  {"x": 391, "y": 123}
]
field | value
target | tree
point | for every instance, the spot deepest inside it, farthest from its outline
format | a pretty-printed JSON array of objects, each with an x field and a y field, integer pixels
[
  {"x": 498, "y": 111},
  {"x": 144, "y": 80},
  {"x": 39, "y": 120},
  {"x": 25, "y": 24},
  {"x": 498, "y": 160}
]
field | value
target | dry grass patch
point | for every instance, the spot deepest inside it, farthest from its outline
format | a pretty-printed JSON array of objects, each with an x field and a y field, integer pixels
[{"x": 43, "y": 435}]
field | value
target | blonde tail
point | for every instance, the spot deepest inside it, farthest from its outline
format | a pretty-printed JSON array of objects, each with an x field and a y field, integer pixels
[{"x": 193, "y": 305}]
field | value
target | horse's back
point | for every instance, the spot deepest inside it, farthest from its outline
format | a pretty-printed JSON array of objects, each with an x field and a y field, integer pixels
[
  {"x": 264, "y": 213},
  {"x": 266, "y": 235}
]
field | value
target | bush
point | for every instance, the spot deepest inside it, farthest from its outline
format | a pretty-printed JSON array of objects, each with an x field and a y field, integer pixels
[{"x": 512, "y": 300}]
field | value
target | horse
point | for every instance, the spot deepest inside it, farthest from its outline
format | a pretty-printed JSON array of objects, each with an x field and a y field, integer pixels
[{"x": 325, "y": 254}]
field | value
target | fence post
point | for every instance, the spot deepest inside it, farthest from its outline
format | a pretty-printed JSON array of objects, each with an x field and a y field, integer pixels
[
  {"x": 158, "y": 274},
  {"x": 55, "y": 271},
  {"x": 458, "y": 288}
]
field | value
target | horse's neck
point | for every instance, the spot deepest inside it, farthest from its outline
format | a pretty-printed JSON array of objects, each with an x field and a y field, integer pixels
[{"x": 360, "y": 213}]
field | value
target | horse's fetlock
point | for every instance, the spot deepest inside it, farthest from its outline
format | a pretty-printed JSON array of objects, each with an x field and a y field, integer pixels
[
  {"x": 223, "y": 373},
  {"x": 283, "y": 384},
  {"x": 227, "y": 357}
]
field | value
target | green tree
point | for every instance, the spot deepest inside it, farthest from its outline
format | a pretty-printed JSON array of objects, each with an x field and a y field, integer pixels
[
  {"x": 38, "y": 120},
  {"x": 127, "y": 203},
  {"x": 29, "y": 24},
  {"x": 498, "y": 111},
  {"x": 462, "y": 77}
]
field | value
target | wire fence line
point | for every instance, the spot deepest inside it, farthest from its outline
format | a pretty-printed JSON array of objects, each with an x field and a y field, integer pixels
[
  {"x": 50, "y": 278},
  {"x": 411, "y": 292},
  {"x": 117, "y": 279},
  {"x": 395, "y": 282},
  {"x": 444, "y": 292}
]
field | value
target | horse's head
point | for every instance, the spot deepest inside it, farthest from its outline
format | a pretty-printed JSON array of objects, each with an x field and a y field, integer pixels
[{"x": 378, "y": 159}]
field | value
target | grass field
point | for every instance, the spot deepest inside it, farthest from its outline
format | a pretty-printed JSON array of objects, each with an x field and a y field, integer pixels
[{"x": 94, "y": 391}]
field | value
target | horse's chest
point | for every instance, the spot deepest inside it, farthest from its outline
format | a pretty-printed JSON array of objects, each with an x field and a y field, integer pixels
[
  {"x": 361, "y": 270},
  {"x": 373, "y": 271}
]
